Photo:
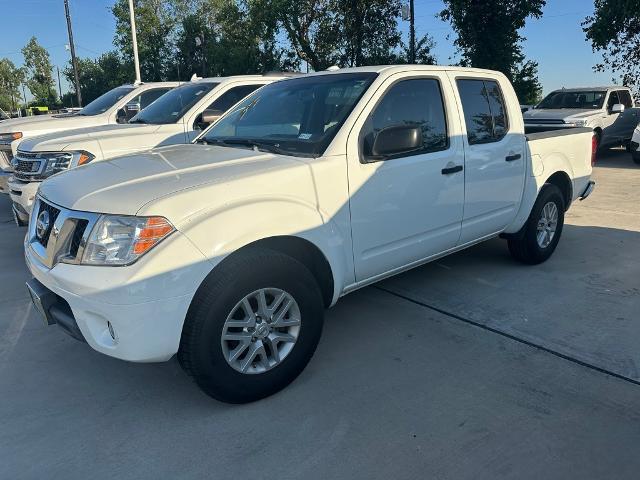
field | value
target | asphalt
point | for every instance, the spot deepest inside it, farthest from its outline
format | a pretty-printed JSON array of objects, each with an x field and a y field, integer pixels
[{"x": 474, "y": 367}]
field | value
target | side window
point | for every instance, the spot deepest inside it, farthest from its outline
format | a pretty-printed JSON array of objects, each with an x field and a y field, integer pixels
[
  {"x": 415, "y": 102},
  {"x": 484, "y": 110},
  {"x": 232, "y": 96},
  {"x": 625, "y": 98},
  {"x": 147, "y": 98},
  {"x": 613, "y": 99}
]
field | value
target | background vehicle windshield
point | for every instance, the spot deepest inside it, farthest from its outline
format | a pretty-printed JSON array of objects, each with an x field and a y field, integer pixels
[
  {"x": 106, "y": 101},
  {"x": 298, "y": 116},
  {"x": 583, "y": 99},
  {"x": 172, "y": 106}
]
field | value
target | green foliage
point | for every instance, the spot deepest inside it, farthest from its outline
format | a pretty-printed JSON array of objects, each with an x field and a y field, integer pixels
[
  {"x": 10, "y": 80},
  {"x": 155, "y": 23},
  {"x": 96, "y": 77},
  {"x": 488, "y": 37},
  {"x": 614, "y": 30},
  {"x": 39, "y": 73}
]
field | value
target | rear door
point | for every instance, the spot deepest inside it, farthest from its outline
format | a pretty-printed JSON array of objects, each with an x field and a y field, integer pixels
[
  {"x": 494, "y": 156},
  {"x": 406, "y": 207},
  {"x": 622, "y": 128}
]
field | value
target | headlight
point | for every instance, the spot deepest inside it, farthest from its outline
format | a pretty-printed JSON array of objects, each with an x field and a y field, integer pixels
[
  {"x": 581, "y": 123},
  {"x": 59, "y": 162},
  {"x": 7, "y": 138},
  {"x": 121, "y": 240}
]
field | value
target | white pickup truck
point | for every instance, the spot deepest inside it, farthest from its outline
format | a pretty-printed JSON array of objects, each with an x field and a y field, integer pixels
[
  {"x": 177, "y": 117},
  {"x": 608, "y": 111},
  {"x": 115, "y": 106},
  {"x": 227, "y": 251}
]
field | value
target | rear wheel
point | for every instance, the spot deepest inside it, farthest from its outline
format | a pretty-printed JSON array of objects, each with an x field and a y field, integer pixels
[
  {"x": 252, "y": 327},
  {"x": 636, "y": 157},
  {"x": 541, "y": 233}
]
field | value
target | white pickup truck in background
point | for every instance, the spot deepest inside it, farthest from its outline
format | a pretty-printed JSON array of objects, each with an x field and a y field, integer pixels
[
  {"x": 178, "y": 116},
  {"x": 227, "y": 251},
  {"x": 608, "y": 111},
  {"x": 116, "y": 106}
]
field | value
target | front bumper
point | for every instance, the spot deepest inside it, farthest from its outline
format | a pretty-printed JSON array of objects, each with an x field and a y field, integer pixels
[
  {"x": 22, "y": 195},
  {"x": 133, "y": 313}
]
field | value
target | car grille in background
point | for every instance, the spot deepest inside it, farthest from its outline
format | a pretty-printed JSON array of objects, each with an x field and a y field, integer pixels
[
  {"x": 543, "y": 121},
  {"x": 25, "y": 169},
  {"x": 53, "y": 215}
]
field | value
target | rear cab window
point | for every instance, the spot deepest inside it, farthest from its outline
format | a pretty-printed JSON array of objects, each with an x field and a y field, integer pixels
[{"x": 484, "y": 110}]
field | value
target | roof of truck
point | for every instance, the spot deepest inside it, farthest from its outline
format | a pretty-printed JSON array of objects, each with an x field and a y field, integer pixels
[
  {"x": 590, "y": 89},
  {"x": 155, "y": 84}
]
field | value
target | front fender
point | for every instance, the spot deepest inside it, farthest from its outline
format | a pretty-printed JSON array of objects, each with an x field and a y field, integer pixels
[{"x": 226, "y": 229}]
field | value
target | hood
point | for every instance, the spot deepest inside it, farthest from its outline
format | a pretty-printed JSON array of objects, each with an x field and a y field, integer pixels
[
  {"x": 82, "y": 138},
  {"x": 124, "y": 184},
  {"x": 560, "y": 114},
  {"x": 42, "y": 124}
]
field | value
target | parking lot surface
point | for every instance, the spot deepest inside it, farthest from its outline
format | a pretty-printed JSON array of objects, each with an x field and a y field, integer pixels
[{"x": 471, "y": 367}]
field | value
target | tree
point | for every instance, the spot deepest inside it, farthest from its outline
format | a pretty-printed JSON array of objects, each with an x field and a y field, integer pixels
[
  {"x": 614, "y": 30},
  {"x": 488, "y": 37},
  {"x": 97, "y": 76},
  {"x": 39, "y": 73},
  {"x": 10, "y": 80},
  {"x": 155, "y": 23}
]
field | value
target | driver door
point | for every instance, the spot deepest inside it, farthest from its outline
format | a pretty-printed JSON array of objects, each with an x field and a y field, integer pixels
[{"x": 409, "y": 206}]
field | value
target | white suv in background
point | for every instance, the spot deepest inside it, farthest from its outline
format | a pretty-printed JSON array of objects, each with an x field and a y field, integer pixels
[
  {"x": 115, "y": 106},
  {"x": 176, "y": 117}
]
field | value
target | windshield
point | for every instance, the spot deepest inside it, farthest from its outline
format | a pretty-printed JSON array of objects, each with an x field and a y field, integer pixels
[
  {"x": 297, "y": 117},
  {"x": 588, "y": 100},
  {"x": 106, "y": 101},
  {"x": 172, "y": 106}
]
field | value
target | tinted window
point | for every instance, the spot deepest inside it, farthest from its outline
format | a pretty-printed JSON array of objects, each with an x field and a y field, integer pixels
[
  {"x": 299, "y": 116},
  {"x": 147, "y": 98},
  {"x": 613, "y": 99},
  {"x": 232, "y": 96},
  {"x": 106, "y": 101},
  {"x": 582, "y": 99},
  {"x": 625, "y": 98},
  {"x": 172, "y": 106},
  {"x": 416, "y": 102},
  {"x": 484, "y": 110}
]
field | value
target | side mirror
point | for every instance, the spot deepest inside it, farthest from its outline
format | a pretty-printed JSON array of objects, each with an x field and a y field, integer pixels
[
  {"x": 121, "y": 116},
  {"x": 397, "y": 139},
  {"x": 617, "y": 108},
  {"x": 210, "y": 116}
]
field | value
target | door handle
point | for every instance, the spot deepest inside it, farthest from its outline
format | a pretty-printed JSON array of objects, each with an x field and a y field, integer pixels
[
  {"x": 449, "y": 170},
  {"x": 511, "y": 158}
]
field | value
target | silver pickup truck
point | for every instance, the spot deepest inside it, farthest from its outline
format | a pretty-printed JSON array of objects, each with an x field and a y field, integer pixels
[{"x": 608, "y": 111}]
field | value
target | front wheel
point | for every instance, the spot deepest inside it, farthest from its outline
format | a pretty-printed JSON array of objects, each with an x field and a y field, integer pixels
[
  {"x": 252, "y": 327},
  {"x": 636, "y": 157},
  {"x": 541, "y": 233}
]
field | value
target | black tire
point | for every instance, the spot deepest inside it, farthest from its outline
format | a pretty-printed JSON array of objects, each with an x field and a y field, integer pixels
[
  {"x": 598, "y": 135},
  {"x": 636, "y": 157},
  {"x": 524, "y": 247},
  {"x": 201, "y": 353}
]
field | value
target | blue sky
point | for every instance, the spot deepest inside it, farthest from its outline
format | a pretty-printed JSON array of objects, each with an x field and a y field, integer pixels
[{"x": 556, "y": 41}]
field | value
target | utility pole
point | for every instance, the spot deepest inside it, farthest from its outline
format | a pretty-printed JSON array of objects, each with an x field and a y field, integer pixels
[
  {"x": 134, "y": 40},
  {"x": 74, "y": 61},
  {"x": 412, "y": 33},
  {"x": 59, "y": 84}
]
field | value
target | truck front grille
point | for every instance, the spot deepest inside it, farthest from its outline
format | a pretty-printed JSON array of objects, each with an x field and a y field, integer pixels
[{"x": 57, "y": 234}]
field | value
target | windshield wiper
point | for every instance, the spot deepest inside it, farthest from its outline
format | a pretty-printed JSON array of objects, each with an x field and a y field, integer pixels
[
  {"x": 271, "y": 147},
  {"x": 143, "y": 122}
]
